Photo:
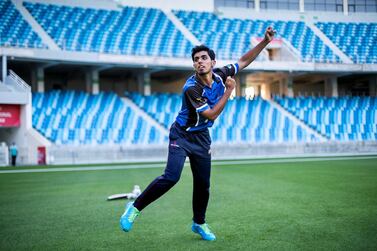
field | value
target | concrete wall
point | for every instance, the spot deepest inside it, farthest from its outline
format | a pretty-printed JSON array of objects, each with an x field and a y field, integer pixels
[{"x": 127, "y": 153}]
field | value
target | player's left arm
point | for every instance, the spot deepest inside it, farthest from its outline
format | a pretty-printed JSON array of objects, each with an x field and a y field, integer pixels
[{"x": 249, "y": 56}]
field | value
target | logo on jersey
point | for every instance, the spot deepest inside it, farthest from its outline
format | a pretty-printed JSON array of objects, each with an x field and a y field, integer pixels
[{"x": 174, "y": 143}]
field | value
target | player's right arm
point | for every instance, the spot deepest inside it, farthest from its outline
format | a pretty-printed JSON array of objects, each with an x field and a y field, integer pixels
[{"x": 214, "y": 112}]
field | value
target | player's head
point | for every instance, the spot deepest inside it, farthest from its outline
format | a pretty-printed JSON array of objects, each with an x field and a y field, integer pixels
[{"x": 203, "y": 59}]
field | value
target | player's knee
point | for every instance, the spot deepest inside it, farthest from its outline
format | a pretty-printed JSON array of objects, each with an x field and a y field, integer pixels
[{"x": 171, "y": 180}]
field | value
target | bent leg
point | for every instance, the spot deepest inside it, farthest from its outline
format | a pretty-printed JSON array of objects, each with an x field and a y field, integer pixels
[{"x": 163, "y": 183}]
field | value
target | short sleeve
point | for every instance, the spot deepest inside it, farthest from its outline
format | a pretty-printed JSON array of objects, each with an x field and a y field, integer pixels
[
  {"x": 226, "y": 71},
  {"x": 196, "y": 99}
]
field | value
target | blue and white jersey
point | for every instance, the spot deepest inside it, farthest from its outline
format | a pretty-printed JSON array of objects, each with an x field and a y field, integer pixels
[{"x": 198, "y": 97}]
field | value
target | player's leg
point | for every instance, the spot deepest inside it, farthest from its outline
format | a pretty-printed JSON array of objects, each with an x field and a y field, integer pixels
[
  {"x": 163, "y": 183},
  {"x": 158, "y": 187},
  {"x": 201, "y": 170}
]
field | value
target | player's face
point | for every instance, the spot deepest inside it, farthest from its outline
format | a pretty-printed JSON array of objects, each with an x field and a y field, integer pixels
[{"x": 203, "y": 63}]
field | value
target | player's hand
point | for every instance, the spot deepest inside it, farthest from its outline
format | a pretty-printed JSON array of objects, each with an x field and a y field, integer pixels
[
  {"x": 230, "y": 83},
  {"x": 269, "y": 34}
]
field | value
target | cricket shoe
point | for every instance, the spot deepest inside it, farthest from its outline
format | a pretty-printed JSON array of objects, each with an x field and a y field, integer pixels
[
  {"x": 128, "y": 217},
  {"x": 204, "y": 231}
]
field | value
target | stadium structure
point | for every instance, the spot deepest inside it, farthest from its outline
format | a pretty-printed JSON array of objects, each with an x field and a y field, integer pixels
[{"x": 100, "y": 81}]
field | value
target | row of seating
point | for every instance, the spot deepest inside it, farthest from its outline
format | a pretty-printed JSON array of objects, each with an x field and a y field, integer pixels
[
  {"x": 14, "y": 30},
  {"x": 242, "y": 120},
  {"x": 232, "y": 37},
  {"x": 357, "y": 40},
  {"x": 344, "y": 118},
  {"x": 132, "y": 31},
  {"x": 148, "y": 32},
  {"x": 71, "y": 117}
]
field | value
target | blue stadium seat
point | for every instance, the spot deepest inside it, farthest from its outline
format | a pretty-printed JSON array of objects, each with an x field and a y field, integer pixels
[
  {"x": 14, "y": 30},
  {"x": 69, "y": 117},
  {"x": 230, "y": 38},
  {"x": 131, "y": 31},
  {"x": 344, "y": 118},
  {"x": 357, "y": 40}
]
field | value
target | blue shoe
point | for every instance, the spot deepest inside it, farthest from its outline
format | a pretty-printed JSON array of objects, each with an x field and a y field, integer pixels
[
  {"x": 129, "y": 216},
  {"x": 204, "y": 231}
]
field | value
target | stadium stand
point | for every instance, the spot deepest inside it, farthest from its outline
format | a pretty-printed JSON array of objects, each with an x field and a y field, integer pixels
[
  {"x": 132, "y": 31},
  {"x": 245, "y": 121},
  {"x": 69, "y": 117},
  {"x": 357, "y": 40},
  {"x": 343, "y": 119},
  {"x": 232, "y": 37},
  {"x": 14, "y": 30},
  {"x": 148, "y": 51}
]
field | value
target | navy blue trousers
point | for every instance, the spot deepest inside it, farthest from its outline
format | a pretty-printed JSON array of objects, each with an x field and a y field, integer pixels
[{"x": 182, "y": 144}]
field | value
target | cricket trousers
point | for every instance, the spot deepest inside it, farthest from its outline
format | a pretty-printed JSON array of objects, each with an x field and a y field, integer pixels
[{"x": 182, "y": 144}]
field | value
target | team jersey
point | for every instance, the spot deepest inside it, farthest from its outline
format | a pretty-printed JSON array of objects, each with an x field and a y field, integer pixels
[{"x": 198, "y": 97}]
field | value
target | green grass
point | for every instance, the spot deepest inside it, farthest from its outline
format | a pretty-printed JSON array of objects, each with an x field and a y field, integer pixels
[{"x": 319, "y": 205}]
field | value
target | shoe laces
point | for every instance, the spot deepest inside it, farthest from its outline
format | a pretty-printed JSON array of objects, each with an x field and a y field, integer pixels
[
  {"x": 133, "y": 214},
  {"x": 205, "y": 228}
]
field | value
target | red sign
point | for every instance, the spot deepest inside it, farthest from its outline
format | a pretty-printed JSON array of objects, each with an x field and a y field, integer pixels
[
  {"x": 41, "y": 155},
  {"x": 9, "y": 115}
]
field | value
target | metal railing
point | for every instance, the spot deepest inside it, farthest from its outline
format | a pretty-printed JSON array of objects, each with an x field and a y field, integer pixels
[{"x": 19, "y": 82}]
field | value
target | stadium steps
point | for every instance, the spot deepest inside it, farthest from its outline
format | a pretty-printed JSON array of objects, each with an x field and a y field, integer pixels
[
  {"x": 180, "y": 26},
  {"x": 164, "y": 131},
  {"x": 37, "y": 28},
  {"x": 296, "y": 120},
  {"x": 328, "y": 42}
]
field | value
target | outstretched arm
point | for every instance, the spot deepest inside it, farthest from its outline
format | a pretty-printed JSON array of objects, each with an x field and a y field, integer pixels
[{"x": 249, "y": 56}]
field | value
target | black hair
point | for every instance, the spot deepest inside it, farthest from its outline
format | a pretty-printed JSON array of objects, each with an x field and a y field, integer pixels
[{"x": 202, "y": 47}]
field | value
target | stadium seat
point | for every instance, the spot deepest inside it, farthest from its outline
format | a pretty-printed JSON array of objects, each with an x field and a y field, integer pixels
[
  {"x": 69, "y": 117},
  {"x": 245, "y": 121},
  {"x": 131, "y": 31},
  {"x": 14, "y": 30},
  {"x": 343, "y": 118},
  {"x": 357, "y": 40},
  {"x": 230, "y": 38}
]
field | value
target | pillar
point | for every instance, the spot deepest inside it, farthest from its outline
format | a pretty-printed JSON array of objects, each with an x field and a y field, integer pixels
[
  {"x": 40, "y": 79},
  {"x": 345, "y": 7},
  {"x": 301, "y": 6},
  {"x": 144, "y": 82},
  {"x": 289, "y": 85},
  {"x": 3, "y": 67},
  {"x": 257, "y": 5},
  {"x": 92, "y": 81},
  {"x": 373, "y": 86},
  {"x": 331, "y": 87}
]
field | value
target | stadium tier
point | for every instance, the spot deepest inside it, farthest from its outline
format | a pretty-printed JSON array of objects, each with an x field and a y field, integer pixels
[
  {"x": 79, "y": 118},
  {"x": 148, "y": 32},
  {"x": 345, "y": 118},
  {"x": 14, "y": 30},
  {"x": 161, "y": 107},
  {"x": 132, "y": 31},
  {"x": 357, "y": 40},
  {"x": 245, "y": 120},
  {"x": 230, "y": 38}
]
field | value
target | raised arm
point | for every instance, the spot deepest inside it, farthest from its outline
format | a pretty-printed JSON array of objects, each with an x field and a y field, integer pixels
[{"x": 249, "y": 56}]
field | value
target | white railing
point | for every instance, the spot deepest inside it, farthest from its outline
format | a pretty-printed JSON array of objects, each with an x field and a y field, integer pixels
[
  {"x": 19, "y": 82},
  {"x": 292, "y": 49}
]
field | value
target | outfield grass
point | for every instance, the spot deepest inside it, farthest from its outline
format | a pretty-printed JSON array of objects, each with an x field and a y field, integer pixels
[{"x": 319, "y": 205}]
